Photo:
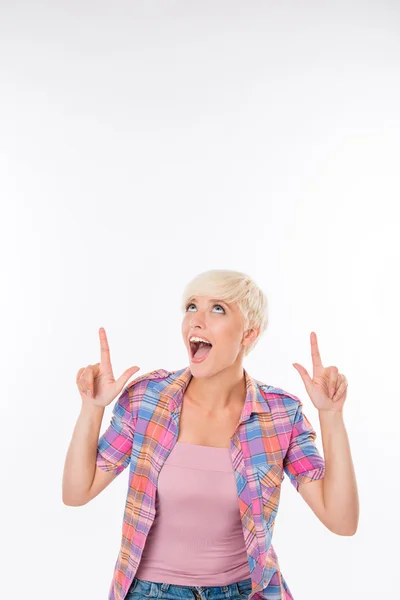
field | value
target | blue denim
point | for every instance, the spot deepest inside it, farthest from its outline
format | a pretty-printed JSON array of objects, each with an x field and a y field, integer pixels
[{"x": 141, "y": 588}]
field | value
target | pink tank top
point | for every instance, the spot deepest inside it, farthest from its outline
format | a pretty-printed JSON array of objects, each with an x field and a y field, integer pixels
[{"x": 196, "y": 537}]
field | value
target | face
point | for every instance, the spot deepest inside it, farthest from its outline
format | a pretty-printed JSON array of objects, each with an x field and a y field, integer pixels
[{"x": 220, "y": 323}]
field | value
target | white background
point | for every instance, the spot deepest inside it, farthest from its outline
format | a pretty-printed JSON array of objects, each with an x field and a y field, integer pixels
[{"x": 144, "y": 142}]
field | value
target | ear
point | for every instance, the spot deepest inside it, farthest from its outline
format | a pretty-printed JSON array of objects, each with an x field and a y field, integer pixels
[{"x": 250, "y": 336}]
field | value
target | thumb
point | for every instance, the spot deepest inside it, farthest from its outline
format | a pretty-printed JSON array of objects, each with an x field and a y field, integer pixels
[
  {"x": 122, "y": 380},
  {"x": 304, "y": 375}
]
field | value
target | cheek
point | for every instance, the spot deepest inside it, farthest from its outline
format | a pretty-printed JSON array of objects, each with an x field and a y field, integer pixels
[{"x": 228, "y": 336}]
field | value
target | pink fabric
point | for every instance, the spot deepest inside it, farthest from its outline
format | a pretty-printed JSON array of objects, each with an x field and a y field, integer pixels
[{"x": 196, "y": 537}]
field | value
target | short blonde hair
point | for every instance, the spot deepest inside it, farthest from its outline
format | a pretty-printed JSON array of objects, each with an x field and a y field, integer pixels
[{"x": 232, "y": 286}]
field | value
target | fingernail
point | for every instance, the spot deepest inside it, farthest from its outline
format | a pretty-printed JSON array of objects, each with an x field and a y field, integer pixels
[{"x": 89, "y": 392}]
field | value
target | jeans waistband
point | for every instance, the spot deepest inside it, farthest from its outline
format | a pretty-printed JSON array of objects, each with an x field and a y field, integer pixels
[{"x": 153, "y": 589}]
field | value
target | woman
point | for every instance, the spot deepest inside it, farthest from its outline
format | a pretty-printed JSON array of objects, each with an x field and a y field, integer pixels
[{"x": 208, "y": 446}]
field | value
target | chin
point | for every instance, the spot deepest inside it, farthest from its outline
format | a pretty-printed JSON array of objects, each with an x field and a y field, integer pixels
[{"x": 202, "y": 369}]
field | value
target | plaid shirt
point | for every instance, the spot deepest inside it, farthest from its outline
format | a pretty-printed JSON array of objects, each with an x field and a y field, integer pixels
[{"x": 274, "y": 436}]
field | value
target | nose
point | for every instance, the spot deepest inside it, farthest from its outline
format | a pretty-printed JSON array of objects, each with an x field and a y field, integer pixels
[
  {"x": 196, "y": 325},
  {"x": 196, "y": 321}
]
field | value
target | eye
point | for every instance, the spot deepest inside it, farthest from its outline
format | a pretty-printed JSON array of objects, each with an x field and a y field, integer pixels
[
  {"x": 219, "y": 306},
  {"x": 193, "y": 304}
]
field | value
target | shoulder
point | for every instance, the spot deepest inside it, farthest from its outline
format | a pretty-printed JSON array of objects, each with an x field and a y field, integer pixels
[
  {"x": 133, "y": 392},
  {"x": 272, "y": 391},
  {"x": 156, "y": 374},
  {"x": 280, "y": 401}
]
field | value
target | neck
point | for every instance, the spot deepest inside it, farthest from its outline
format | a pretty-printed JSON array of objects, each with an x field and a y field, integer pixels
[{"x": 222, "y": 391}]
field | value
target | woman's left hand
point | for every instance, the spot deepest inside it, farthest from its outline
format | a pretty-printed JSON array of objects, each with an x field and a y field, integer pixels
[{"x": 327, "y": 388}]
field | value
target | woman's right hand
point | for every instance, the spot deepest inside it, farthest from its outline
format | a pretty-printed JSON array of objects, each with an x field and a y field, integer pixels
[{"x": 96, "y": 383}]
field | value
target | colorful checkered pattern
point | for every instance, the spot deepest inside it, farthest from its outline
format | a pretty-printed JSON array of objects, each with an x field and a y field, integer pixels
[{"x": 273, "y": 437}]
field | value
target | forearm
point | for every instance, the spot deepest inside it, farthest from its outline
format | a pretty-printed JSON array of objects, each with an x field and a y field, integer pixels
[
  {"x": 80, "y": 462},
  {"x": 339, "y": 484}
]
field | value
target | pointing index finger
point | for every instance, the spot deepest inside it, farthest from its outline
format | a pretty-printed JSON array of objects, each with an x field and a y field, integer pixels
[
  {"x": 104, "y": 347},
  {"x": 316, "y": 357}
]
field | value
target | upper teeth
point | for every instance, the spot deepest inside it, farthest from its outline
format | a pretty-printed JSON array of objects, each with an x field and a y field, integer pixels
[{"x": 198, "y": 339}]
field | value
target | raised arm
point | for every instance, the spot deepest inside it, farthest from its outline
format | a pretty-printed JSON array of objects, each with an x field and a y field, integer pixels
[{"x": 82, "y": 478}]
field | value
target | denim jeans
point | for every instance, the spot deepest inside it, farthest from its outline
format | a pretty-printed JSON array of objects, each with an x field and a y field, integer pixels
[{"x": 141, "y": 588}]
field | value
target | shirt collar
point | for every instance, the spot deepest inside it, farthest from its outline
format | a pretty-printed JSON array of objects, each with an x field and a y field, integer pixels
[{"x": 255, "y": 401}]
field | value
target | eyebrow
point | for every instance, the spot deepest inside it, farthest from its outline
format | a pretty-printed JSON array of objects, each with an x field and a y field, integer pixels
[{"x": 212, "y": 300}]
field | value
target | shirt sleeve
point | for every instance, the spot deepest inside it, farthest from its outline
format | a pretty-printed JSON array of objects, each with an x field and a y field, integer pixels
[
  {"x": 303, "y": 462},
  {"x": 115, "y": 445}
]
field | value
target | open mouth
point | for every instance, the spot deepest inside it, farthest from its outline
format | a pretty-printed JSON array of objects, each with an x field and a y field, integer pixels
[{"x": 199, "y": 350}]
